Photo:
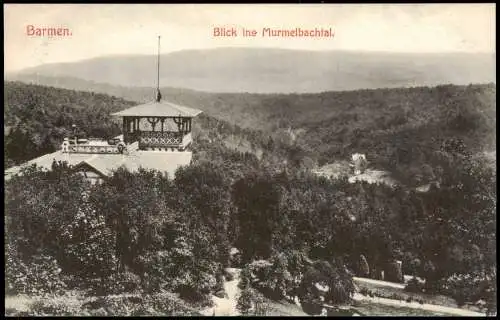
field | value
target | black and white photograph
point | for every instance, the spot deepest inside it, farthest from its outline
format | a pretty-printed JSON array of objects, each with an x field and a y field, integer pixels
[{"x": 250, "y": 160}]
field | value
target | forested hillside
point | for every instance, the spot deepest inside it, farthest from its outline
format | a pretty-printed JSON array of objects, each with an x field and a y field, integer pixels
[
  {"x": 399, "y": 129},
  {"x": 145, "y": 234},
  {"x": 249, "y": 189},
  {"x": 37, "y": 118}
]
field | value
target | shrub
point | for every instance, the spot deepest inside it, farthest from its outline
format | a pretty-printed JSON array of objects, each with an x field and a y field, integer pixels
[
  {"x": 261, "y": 308},
  {"x": 310, "y": 301},
  {"x": 193, "y": 295},
  {"x": 89, "y": 248},
  {"x": 363, "y": 291},
  {"x": 278, "y": 280},
  {"x": 51, "y": 307},
  {"x": 414, "y": 286},
  {"x": 491, "y": 308},
  {"x": 220, "y": 282},
  {"x": 245, "y": 301},
  {"x": 228, "y": 276},
  {"x": 245, "y": 278},
  {"x": 251, "y": 302},
  {"x": 124, "y": 282},
  {"x": 168, "y": 303},
  {"x": 235, "y": 258},
  {"x": 363, "y": 267},
  {"x": 415, "y": 265},
  {"x": 393, "y": 272},
  {"x": 337, "y": 283},
  {"x": 109, "y": 306},
  {"x": 160, "y": 304},
  {"x": 38, "y": 275},
  {"x": 465, "y": 288},
  {"x": 144, "y": 310},
  {"x": 259, "y": 270},
  {"x": 394, "y": 296},
  {"x": 158, "y": 268},
  {"x": 196, "y": 286}
]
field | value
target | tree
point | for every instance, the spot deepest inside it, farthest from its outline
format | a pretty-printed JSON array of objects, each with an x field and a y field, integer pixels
[
  {"x": 325, "y": 283},
  {"x": 257, "y": 200},
  {"x": 364, "y": 269}
]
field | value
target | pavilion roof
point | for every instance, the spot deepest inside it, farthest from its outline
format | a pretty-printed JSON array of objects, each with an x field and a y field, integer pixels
[{"x": 159, "y": 109}]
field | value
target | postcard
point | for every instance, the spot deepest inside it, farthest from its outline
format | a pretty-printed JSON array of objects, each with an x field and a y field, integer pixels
[{"x": 251, "y": 159}]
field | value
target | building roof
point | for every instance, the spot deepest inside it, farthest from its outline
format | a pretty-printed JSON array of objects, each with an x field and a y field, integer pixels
[
  {"x": 158, "y": 109},
  {"x": 105, "y": 164}
]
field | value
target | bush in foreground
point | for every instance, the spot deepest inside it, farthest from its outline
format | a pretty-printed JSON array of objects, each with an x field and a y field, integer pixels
[
  {"x": 251, "y": 302},
  {"x": 161, "y": 304},
  {"x": 414, "y": 286},
  {"x": 325, "y": 283},
  {"x": 38, "y": 275}
]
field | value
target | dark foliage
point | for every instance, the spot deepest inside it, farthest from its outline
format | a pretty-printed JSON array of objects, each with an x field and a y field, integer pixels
[
  {"x": 37, "y": 118},
  {"x": 150, "y": 233}
]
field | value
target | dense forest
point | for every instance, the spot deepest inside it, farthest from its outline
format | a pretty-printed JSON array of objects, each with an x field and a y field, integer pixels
[
  {"x": 398, "y": 129},
  {"x": 142, "y": 232},
  {"x": 37, "y": 118}
]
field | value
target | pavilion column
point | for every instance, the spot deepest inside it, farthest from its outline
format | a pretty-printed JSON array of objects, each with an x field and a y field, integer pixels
[
  {"x": 135, "y": 128},
  {"x": 178, "y": 122},
  {"x": 125, "y": 131},
  {"x": 162, "y": 122},
  {"x": 137, "y": 122}
]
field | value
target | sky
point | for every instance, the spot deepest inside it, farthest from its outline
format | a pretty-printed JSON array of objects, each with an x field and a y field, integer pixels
[{"x": 111, "y": 29}]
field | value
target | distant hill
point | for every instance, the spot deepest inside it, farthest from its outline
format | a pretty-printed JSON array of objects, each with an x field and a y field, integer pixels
[{"x": 262, "y": 70}]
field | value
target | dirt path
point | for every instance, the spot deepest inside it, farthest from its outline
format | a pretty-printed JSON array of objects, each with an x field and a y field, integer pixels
[
  {"x": 285, "y": 309},
  {"x": 415, "y": 305},
  {"x": 226, "y": 306},
  {"x": 19, "y": 302},
  {"x": 379, "y": 283}
]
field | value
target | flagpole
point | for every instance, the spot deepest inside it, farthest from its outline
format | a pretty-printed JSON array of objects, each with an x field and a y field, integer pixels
[
  {"x": 158, "y": 94},
  {"x": 158, "y": 80}
]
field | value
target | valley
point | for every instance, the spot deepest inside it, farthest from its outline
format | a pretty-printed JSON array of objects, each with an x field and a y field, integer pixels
[{"x": 271, "y": 176}]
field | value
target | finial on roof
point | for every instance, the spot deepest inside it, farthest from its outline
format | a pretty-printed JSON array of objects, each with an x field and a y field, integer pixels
[{"x": 158, "y": 93}]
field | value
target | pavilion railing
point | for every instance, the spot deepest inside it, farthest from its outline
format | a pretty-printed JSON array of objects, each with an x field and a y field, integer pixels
[
  {"x": 82, "y": 148},
  {"x": 153, "y": 139}
]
